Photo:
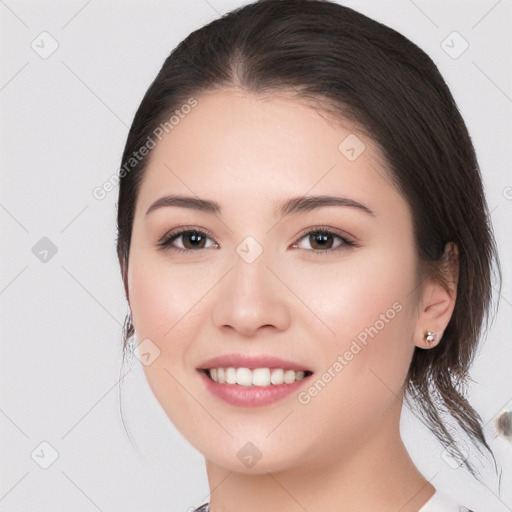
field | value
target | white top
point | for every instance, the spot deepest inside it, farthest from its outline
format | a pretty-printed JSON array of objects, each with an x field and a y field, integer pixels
[{"x": 441, "y": 502}]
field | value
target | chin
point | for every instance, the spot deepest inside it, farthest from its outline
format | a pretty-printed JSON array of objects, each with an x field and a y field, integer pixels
[
  {"x": 252, "y": 457},
  {"x": 261, "y": 467}
]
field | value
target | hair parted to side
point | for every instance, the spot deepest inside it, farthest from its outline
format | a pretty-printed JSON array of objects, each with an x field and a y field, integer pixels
[{"x": 369, "y": 74}]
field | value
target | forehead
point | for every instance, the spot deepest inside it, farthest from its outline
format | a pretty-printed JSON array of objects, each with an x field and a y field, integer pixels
[{"x": 248, "y": 148}]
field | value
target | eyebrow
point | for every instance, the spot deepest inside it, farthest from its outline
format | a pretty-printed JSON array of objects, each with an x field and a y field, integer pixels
[{"x": 290, "y": 206}]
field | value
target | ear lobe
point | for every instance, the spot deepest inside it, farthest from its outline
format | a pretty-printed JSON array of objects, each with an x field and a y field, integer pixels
[{"x": 438, "y": 296}]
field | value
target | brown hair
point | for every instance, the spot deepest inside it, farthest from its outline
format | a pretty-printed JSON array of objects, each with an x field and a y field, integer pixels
[{"x": 367, "y": 73}]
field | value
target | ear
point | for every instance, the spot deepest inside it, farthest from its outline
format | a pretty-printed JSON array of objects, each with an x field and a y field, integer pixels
[{"x": 437, "y": 301}]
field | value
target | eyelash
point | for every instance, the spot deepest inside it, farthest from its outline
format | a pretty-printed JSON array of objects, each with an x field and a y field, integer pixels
[{"x": 165, "y": 242}]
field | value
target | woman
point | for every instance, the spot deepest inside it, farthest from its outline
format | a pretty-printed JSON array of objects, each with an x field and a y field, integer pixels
[{"x": 304, "y": 243}]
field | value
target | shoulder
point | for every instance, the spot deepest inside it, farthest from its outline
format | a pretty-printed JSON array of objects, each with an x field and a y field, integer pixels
[
  {"x": 203, "y": 508},
  {"x": 442, "y": 502},
  {"x": 439, "y": 502}
]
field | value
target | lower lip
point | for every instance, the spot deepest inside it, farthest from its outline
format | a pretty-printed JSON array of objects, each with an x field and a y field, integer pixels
[{"x": 251, "y": 396}]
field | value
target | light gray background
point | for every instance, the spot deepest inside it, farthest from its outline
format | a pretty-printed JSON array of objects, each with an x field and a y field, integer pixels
[{"x": 64, "y": 120}]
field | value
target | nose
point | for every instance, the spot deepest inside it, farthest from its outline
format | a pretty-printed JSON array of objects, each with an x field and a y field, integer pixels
[{"x": 251, "y": 299}]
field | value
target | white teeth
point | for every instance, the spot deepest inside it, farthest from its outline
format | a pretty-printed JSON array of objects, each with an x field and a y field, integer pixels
[
  {"x": 277, "y": 376},
  {"x": 261, "y": 377},
  {"x": 289, "y": 376},
  {"x": 230, "y": 375},
  {"x": 257, "y": 377},
  {"x": 244, "y": 377}
]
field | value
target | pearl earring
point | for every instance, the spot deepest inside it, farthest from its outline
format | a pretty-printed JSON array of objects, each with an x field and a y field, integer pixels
[{"x": 430, "y": 336}]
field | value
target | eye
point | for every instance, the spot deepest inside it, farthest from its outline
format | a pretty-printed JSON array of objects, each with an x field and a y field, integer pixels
[
  {"x": 187, "y": 240},
  {"x": 323, "y": 240},
  {"x": 320, "y": 240}
]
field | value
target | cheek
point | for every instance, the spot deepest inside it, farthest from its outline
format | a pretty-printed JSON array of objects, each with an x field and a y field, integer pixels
[
  {"x": 365, "y": 364},
  {"x": 358, "y": 292},
  {"x": 149, "y": 300},
  {"x": 367, "y": 305},
  {"x": 164, "y": 301},
  {"x": 163, "y": 313},
  {"x": 160, "y": 296}
]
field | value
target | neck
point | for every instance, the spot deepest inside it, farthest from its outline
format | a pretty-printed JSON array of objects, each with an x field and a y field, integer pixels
[{"x": 376, "y": 475}]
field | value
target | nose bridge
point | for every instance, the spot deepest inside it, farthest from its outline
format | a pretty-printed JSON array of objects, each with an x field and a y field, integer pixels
[
  {"x": 250, "y": 297},
  {"x": 250, "y": 274}
]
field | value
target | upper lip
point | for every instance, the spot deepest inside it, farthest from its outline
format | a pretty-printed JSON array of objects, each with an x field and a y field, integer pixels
[{"x": 251, "y": 362}]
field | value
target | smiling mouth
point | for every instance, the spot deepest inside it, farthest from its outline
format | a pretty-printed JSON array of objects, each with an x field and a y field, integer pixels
[{"x": 263, "y": 377}]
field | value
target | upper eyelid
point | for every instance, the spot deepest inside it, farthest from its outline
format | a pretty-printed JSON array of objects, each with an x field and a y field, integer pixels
[{"x": 332, "y": 231}]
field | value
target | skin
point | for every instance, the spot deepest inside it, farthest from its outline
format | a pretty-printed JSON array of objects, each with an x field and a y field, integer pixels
[{"x": 341, "y": 450}]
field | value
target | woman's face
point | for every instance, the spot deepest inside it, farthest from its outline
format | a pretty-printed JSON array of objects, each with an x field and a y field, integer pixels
[{"x": 252, "y": 281}]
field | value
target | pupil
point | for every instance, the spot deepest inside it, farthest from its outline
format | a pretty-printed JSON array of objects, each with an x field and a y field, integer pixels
[
  {"x": 195, "y": 238},
  {"x": 321, "y": 239}
]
